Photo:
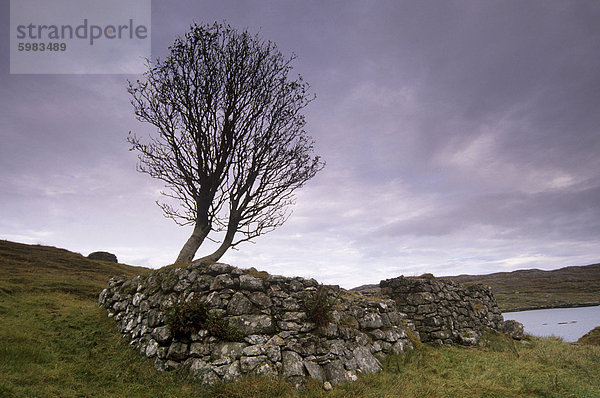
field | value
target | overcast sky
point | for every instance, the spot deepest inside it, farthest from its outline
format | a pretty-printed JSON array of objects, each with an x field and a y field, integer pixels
[{"x": 459, "y": 136}]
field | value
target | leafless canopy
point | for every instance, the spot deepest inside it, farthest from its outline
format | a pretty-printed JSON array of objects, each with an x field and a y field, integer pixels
[{"x": 229, "y": 142}]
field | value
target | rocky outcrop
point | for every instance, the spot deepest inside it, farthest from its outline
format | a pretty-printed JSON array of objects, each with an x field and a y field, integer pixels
[
  {"x": 103, "y": 256},
  {"x": 275, "y": 331},
  {"x": 443, "y": 311},
  {"x": 513, "y": 329}
]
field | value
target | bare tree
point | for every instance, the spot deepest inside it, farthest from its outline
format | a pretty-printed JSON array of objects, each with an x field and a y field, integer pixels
[{"x": 229, "y": 141}]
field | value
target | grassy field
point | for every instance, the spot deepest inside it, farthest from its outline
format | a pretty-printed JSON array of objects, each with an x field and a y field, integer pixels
[{"x": 55, "y": 341}]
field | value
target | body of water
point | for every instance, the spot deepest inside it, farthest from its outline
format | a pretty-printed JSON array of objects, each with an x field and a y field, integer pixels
[{"x": 568, "y": 323}]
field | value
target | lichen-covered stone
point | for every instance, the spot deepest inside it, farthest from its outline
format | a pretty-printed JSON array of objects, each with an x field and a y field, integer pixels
[
  {"x": 260, "y": 299},
  {"x": 239, "y": 305},
  {"x": 218, "y": 269},
  {"x": 252, "y": 324},
  {"x": 514, "y": 329},
  {"x": 248, "y": 364},
  {"x": 444, "y": 312},
  {"x": 227, "y": 349},
  {"x": 314, "y": 370},
  {"x": 178, "y": 351},
  {"x": 200, "y": 349},
  {"x": 162, "y": 334},
  {"x": 222, "y": 281},
  {"x": 335, "y": 372},
  {"x": 265, "y": 369},
  {"x": 371, "y": 321},
  {"x": 248, "y": 282},
  {"x": 365, "y": 360},
  {"x": 292, "y": 364},
  {"x": 151, "y": 348}
]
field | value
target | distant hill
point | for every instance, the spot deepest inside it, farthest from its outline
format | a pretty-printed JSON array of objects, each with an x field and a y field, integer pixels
[{"x": 533, "y": 288}]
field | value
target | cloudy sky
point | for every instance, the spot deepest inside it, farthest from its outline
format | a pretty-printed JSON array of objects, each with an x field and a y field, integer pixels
[{"x": 459, "y": 136}]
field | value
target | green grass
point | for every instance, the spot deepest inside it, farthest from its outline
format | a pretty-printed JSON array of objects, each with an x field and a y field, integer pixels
[{"x": 55, "y": 341}]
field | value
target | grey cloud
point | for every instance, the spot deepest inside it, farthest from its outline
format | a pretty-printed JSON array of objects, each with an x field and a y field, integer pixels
[
  {"x": 559, "y": 215},
  {"x": 458, "y": 135}
]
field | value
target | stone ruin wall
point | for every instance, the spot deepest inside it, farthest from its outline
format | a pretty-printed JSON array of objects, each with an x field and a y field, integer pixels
[
  {"x": 443, "y": 311},
  {"x": 279, "y": 339}
]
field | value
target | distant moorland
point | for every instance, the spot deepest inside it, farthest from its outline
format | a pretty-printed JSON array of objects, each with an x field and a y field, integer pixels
[{"x": 532, "y": 289}]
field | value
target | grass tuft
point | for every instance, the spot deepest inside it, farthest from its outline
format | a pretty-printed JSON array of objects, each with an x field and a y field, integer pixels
[
  {"x": 258, "y": 274},
  {"x": 591, "y": 338}
]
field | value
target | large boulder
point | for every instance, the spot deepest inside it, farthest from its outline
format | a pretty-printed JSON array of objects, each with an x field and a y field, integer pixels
[
  {"x": 103, "y": 256},
  {"x": 513, "y": 329}
]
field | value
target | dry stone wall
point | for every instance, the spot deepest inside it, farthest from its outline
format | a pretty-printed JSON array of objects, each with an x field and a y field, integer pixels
[
  {"x": 278, "y": 338},
  {"x": 443, "y": 311}
]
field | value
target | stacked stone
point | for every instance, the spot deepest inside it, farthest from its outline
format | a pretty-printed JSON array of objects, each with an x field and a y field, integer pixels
[
  {"x": 443, "y": 311},
  {"x": 279, "y": 339}
]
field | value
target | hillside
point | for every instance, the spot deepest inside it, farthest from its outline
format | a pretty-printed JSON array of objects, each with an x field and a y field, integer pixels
[
  {"x": 529, "y": 289},
  {"x": 55, "y": 341},
  {"x": 43, "y": 269}
]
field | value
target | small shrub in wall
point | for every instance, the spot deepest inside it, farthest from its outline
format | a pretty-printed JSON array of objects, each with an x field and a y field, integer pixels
[
  {"x": 190, "y": 317},
  {"x": 318, "y": 306}
]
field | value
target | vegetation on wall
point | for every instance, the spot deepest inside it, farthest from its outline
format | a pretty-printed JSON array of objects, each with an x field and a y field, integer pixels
[
  {"x": 318, "y": 306},
  {"x": 187, "y": 318}
]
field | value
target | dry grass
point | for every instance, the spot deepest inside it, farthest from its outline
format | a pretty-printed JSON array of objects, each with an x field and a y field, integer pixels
[{"x": 591, "y": 338}]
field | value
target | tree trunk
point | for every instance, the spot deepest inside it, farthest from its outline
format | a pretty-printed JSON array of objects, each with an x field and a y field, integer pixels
[
  {"x": 188, "y": 251},
  {"x": 217, "y": 254}
]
